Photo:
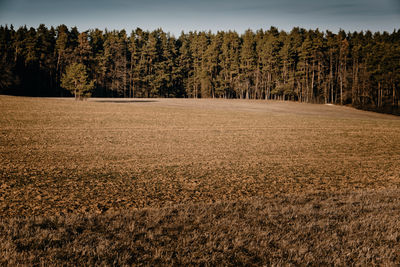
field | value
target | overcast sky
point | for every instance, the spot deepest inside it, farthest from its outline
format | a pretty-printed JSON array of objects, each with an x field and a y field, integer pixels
[{"x": 177, "y": 15}]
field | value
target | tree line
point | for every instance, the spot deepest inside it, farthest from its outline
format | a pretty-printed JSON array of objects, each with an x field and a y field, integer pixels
[{"x": 359, "y": 68}]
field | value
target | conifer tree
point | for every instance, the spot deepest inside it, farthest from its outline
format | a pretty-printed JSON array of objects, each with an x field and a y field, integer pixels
[
  {"x": 96, "y": 62},
  {"x": 270, "y": 62},
  {"x": 185, "y": 66},
  {"x": 84, "y": 50},
  {"x": 247, "y": 65},
  {"x": 76, "y": 81}
]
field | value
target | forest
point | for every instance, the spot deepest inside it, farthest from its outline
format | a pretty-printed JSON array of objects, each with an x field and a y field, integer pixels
[{"x": 361, "y": 69}]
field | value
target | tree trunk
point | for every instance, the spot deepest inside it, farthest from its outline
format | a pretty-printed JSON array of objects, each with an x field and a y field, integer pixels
[{"x": 312, "y": 83}]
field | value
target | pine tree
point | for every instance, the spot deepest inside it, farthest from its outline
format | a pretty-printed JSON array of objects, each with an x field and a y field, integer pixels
[
  {"x": 342, "y": 66},
  {"x": 76, "y": 81},
  {"x": 149, "y": 64},
  {"x": 96, "y": 62},
  {"x": 184, "y": 68},
  {"x": 229, "y": 64},
  {"x": 247, "y": 65},
  {"x": 115, "y": 63},
  {"x": 210, "y": 71},
  {"x": 84, "y": 50},
  {"x": 288, "y": 59},
  {"x": 45, "y": 47},
  {"x": 135, "y": 46},
  {"x": 332, "y": 51},
  {"x": 271, "y": 61},
  {"x": 8, "y": 62}
]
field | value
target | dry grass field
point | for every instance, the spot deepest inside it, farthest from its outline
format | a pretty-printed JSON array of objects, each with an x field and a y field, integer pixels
[{"x": 197, "y": 182}]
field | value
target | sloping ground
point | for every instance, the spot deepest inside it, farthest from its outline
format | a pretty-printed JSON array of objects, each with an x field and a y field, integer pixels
[
  {"x": 180, "y": 181},
  {"x": 323, "y": 229}
]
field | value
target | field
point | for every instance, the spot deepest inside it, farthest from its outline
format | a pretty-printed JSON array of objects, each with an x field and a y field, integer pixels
[{"x": 202, "y": 182}]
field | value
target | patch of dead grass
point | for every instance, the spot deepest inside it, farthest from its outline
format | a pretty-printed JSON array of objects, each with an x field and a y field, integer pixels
[{"x": 319, "y": 229}]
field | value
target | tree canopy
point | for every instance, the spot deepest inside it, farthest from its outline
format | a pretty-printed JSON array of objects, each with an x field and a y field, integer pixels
[
  {"x": 76, "y": 81},
  {"x": 360, "y": 68}
]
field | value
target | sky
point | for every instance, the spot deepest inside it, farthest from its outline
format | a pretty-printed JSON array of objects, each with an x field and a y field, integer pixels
[{"x": 175, "y": 16}]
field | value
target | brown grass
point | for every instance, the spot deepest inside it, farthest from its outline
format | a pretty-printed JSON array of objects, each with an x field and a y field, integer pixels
[
  {"x": 323, "y": 229},
  {"x": 279, "y": 172}
]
